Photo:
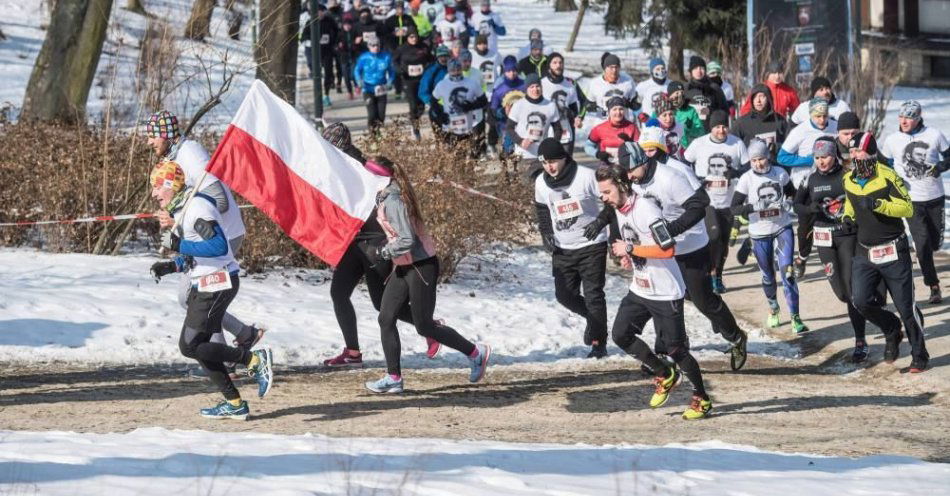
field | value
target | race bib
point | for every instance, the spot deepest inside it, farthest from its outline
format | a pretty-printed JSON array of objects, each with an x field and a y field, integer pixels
[
  {"x": 489, "y": 76},
  {"x": 416, "y": 70},
  {"x": 401, "y": 32},
  {"x": 535, "y": 133},
  {"x": 379, "y": 90},
  {"x": 566, "y": 209},
  {"x": 772, "y": 212},
  {"x": 643, "y": 281},
  {"x": 325, "y": 39},
  {"x": 565, "y": 132},
  {"x": 882, "y": 254},
  {"x": 459, "y": 124},
  {"x": 718, "y": 185},
  {"x": 822, "y": 236},
  {"x": 214, "y": 282},
  {"x": 370, "y": 37}
]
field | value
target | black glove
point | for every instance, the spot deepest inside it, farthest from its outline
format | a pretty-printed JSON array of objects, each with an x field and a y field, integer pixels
[
  {"x": 732, "y": 173},
  {"x": 638, "y": 262},
  {"x": 549, "y": 244},
  {"x": 625, "y": 137},
  {"x": 592, "y": 230},
  {"x": 602, "y": 156},
  {"x": 592, "y": 107},
  {"x": 746, "y": 209},
  {"x": 868, "y": 202},
  {"x": 171, "y": 240},
  {"x": 163, "y": 268}
]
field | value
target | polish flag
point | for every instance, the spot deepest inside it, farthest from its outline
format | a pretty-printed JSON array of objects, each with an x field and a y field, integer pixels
[{"x": 275, "y": 158}]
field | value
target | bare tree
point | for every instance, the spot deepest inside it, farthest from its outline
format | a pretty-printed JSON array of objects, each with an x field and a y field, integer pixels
[
  {"x": 276, "y": 50},
  {"x": 136, "y": 6},
  {"x": 199, "y": 24},
  {"x": 577, "y": 25},
  {"x": 64, "y": 69},
  {"x": 564, "y": 6}
]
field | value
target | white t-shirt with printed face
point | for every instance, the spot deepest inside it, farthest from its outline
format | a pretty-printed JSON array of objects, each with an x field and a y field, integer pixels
[
  {"x": 766, "y": 192},
  {"x": 452, "y": 94},
  {"x": 534, "y": 121},
  {"x": 834, "y": 111},
  {"x": 657, "y": 278},
  {"x": 450, "y": 30},
  {"x": 801, "y": 140},
  {"x": 646, "y": 90},
  {"x": 600, "y": 91},
  {"x": 202, "y": 208},
  {"x": 480, "y": 22},
  {"x": 192, "y": 158},
  {"x": 572, "y": 208},
  {"x": 489, "y": 65},
  {"x": 914, "y": 155},
  {"x": 671, "y": 188},
  {"x": 563, "y": 95},
  {"x": 711, "y": 160}
]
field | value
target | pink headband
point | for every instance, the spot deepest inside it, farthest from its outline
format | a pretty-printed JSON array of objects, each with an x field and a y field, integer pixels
[{"x": 377, "y": 169}]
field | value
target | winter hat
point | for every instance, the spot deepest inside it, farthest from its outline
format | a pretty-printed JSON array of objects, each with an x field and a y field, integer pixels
[
  {"x": 848, "y": 120},
  {"x": 509, "y": 64},
  {"x": 758, "y": 148},
  {"x": 825, "y": 147},
  {"x": 631, "y": 155},
  {"x": 610, "y": 59},
  {"x": 534, "y": 31},
  {"x": 662, "y": 103},
  {"x": 819, "y": 83},
  {"x": 338, "y": 135},
  {"x": 863, "y": 141},
  {"x": 454, "y": 65},
  {"x": 162, "y": 124},
  {"x": 537, "y": 44},
  {"x": 652, "y": 138},
  {"x": 656, "y": 62},
  {"x": 415, "y": 4},
  {"x": 481, "y": 38},
  {"x": 616, "y": 101},
  {"x": 673, "y": 87},
  {"x": 555, "y": 55},
  {"x": 910, "y": 109},
  {"x": 696, "y": 61},
  {"x": 167, "y": 174},
  {"x": 450, "y": 10},
  {"x": 718, "y": 117},
  {"x": 551, "y": 149},
  {"x": 465, "y": 55},
  {"x": 773, "y": 67},
  {"x": 818, "y": 106},
  {"x": 486, "y": 2},
  {"x": 531, "y": 79},
  {"x": 714, "y": 67},
  {"x": 442, "y": 51},
  {"x": 411, "y": 29}
]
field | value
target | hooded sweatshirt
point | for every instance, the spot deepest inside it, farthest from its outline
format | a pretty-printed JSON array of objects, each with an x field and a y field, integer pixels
[{"x": 766, "y": 125}]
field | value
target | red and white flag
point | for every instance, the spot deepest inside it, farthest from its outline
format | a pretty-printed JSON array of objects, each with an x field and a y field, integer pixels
[{"x": 272, "y": 156}]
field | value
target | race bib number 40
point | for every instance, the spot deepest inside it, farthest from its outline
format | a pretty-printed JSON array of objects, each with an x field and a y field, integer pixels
[
  {"x": 416, "y": 70},
  {"x": 567, "y": 209},
  {"x": 214, "y": 282}
]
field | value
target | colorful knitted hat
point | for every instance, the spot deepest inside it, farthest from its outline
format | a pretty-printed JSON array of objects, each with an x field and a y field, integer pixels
[
  {"x": 168, "y": 174},
  {"x": 162, "y": 124}
]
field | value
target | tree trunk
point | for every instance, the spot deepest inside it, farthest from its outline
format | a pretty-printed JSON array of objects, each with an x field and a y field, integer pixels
[
  {"x": 199, "y": 24},
  {"x": 67, "y": 62},
  {"x": 577, "y": 26},
  {"x": 564, "y": 6},
  {"x": 276, "y": 50},
  {"x": 235, "y": 19},
  {"x": 135, "y": 6},
  {"x": 676, "y": 55}
]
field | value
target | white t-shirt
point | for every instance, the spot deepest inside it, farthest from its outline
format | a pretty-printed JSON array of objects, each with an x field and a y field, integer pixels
[
  {"x": 526, "y": 50},
  {"x": 671, "y": 188},
  {"x": 711, "y": 160},
  {"x": 600, "y": 91},
  {"x": 480, "y": 23},
  {"x": 646, "y": 90},
  {"x": 727, "y": 90},
  {"x": 834, "y": 111},
  {"x": 534, "y": 122},
  {"x": 659, "y": 278},
  {"x": 192, "y": 158},
  {"x": 913, "y": 155},
  {"x": 563, "y": 94},
  {"x": 766, "y": 192},
  {"x": 801, "y": 140},
  {"x": 450, "y": 31},
  {"x": 202, "y": 208},
  {"x": 434, "y": 11},
  {"x": 452, "y": 93},
  {"x": 490, "y": 66},
  {"x": 572, "y": 208}
]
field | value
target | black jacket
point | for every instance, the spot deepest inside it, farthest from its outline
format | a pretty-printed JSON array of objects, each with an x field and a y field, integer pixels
[
  {"x": 406, "y": 55},
  {"x": 712, "y": 91},
  {"x": 766, "y": 124},
  {"x": 823, "y": 195},
  {"x": 391, "y": 40},
  {"x": 328, "y": 31}
]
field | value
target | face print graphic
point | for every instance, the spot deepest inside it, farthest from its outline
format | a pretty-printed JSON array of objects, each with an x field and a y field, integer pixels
[
  {"x": 431, "y": 13},
  {"x": 769, "y": 194},
  {"x": 701, "y": 104},
  {"x": 567, "y": 211},
  {"x": 560, "y": 99},
  {"x": 833, "y": 208},
  {"x": 456, "y": 99},
  {"x": 672, "y": 142},
  {"x": 916, "y": 155},
  {"x": 610, "y": 94},
  {"x": 484, "y": 28},
  {"x": 535, "y": 124},
  {"x": 718, "y": 163}
]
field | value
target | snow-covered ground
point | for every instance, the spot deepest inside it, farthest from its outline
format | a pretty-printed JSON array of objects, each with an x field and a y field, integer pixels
[
  {"x": 99, "y": 309},
  {"x": 158, "y": 461}
]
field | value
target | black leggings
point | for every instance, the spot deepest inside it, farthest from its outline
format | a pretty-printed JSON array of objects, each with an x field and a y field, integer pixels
[
  {"x": 926, "y": 227},
  {"x": 414, "y": 284},
  {"x": 668, "y": 322},
  {"x": 583, "y": 268},
  {"x": 718, "y": 226},
  {"x": 695, "y": 269},
  {"x": 203, "y": 320},
  {"x": 416, "y": 107},
  {"x": 375, "y": 110},
  {"x": 836, "y": 261}
]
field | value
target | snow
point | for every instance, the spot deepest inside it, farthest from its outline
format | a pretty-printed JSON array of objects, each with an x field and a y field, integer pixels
[
  {"x": 101, "y": 309},
  {"x": 159, "y": 461}
]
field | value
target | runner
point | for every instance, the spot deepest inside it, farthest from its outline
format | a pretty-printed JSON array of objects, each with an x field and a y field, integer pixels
[
  {"x": 823, "y": 195},
  {"x": 206, "y": 258},
  {"x": 536, "y": 62},
  {"x": 488, "y": 23},
  {"x": 563, "y": 92},
  {"x": 604, "y": 141},
  {"x": 876, "y": 201},
  {"x": 457, "y": 101},
  {"x": 567, "y": 203},
  {"x": 686, "y": 115},
  {"x": 656, "y": 292},
  {"x": 413, "y": 280},
  {"x": 611, "y": 83},
  {"x": 374, "y": 73},
  {"x": 532, "y": 119},
  {"x": 648, "y": 88},
  {"x": 764, "y": 194},
  {"x": 665, "y": 119},
  {"x": 761, "y": 122},
  {"x": 411, "y": 60},
  {"x": 821, "y": 88}
]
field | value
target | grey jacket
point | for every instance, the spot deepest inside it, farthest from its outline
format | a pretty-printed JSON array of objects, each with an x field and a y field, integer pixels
[{"x": 408, "y": 240}]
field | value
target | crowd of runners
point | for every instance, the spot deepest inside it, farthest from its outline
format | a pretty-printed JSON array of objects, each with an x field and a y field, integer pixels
[{"x": 682, "y": 167}]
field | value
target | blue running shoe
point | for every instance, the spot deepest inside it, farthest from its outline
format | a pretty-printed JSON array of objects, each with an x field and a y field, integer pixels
[
  {"x": 225, "y": 410},
  {"x": 717, "y": 286},
  {"x": 385, "y": 385},
  {"x": 263, "y": 373},
  {"x": 480, "y": 362}
]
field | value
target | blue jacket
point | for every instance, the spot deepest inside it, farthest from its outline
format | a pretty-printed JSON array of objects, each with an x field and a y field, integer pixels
[
  {"x": 372, "y": 70},
  {"x": 431, "y": 77},
  {"x": 504, "y": 87}
]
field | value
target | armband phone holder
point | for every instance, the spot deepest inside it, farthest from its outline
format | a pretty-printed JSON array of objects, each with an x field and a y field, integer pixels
[{"x": 661, "y": 234}]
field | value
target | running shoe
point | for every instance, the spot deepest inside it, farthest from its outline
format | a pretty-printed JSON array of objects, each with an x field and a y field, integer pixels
[
  {"x": 773, "y": 319},
  {"x": 664, "y": 386},
  {"x": 326, "y": 101},
  {"x": 345, "y": 360},
  {"x": 256, "y": 336},
  {"x": 385, "y": 385},
  {"x": 742, "y": 255},
  {"x": 860, "y": 353},
  {"x": 799, "y": 265},
  {"x": 733, "y": 236},
  {"x": 738, "y": 351},
  {"x": 797, "y": 325},
  {"x": 917, "y": 366},
  {"x": 698, "y": 408},
  {"x": 416, "y": 134},
  {"x": 717, "y": 286},
  {"x": 263, "y": 372},
  {"x": 598, "y": 351},
  {"x": 935, "y": 296},
  {"x": 892, "y": 347},
  {"x": 433, "y": 348},
  {"x": 480, "y": 362},
  {"x": 226, "y": 411}
]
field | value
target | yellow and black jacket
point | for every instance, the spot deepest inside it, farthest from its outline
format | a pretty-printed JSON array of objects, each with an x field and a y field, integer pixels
[{"x": 884, "y": 223}]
